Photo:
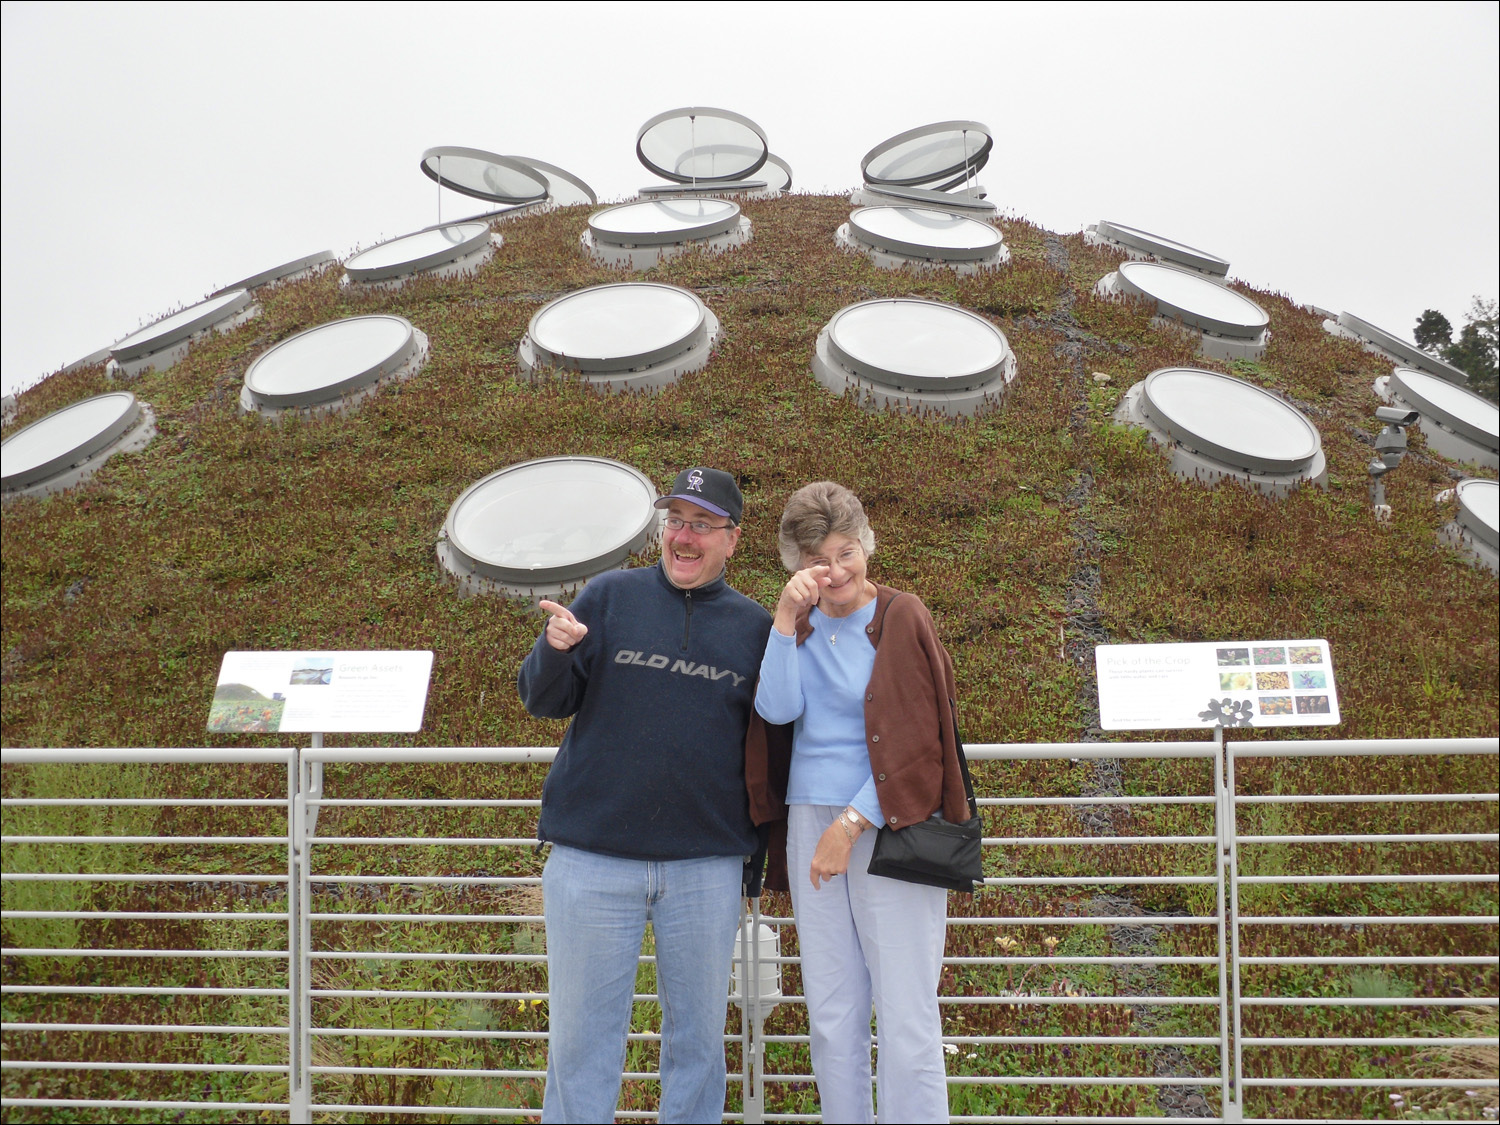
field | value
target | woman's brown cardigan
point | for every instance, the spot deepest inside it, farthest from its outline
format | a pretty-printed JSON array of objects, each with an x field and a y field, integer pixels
[{"x": 909, "y": 730}]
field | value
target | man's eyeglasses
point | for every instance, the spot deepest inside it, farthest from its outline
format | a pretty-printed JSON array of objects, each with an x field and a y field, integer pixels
[{"x": 677, "y": 523}]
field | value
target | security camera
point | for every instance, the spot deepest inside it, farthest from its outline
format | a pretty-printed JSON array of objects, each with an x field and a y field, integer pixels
[{"x": 1396, "y": 416}]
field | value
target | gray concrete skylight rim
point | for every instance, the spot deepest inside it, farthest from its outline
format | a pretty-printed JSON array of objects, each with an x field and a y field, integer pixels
[
  {"x": 777, "y": 173},
  {"x": 160, "y": 334},
  {"x": 602, "y": 558},
  {"x": 475, "y": 237},
  {"x": 724, "y": 220},
  {"x": 70, "y": 454},
  {"x": 738, "y": 171},
  {"x": 962, "y": 168},
  {"x": 883, "y": 240},
  {"x": 864, "y": 368},
  {"x": 280, "y": 273},
  {"x": 1478, "y": 500},
  {"x": 1160, "y": 246},
  {"x": 533, "y": 181},
  {"x": 1134, "y": 279},
  {"x": 1480, "y": 421},
  {"x": 552, "y": 356},
  {"x": 1250, "y": 461},
  {"x": 335, "y": 389},
  {"x": 883, "y": 195},
  {"x": 1404, "y": 351}
]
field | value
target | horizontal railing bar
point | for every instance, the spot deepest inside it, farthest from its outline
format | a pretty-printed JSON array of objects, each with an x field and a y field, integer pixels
[
  {"x": 1369, "y": 1001},
  {"x": 141, "y": 877},
  {"x": 1046, "y": 1040},
  {"x": 1041, "y": 960},
  {"x": 1090, "y": 920},
  {"x": 158, "y": 915},
  {"x": 437, "y": 880},
  {"x": 419, "y": 994},
  {"x": 159, "y": 802},
  {"x": 164, "y": 1028},
  {"x": 453, "y": 1072},
  {"x": 1375, "y": 838},
  {"x": 1039, "y": 1080},
  {"x": 1099, "y": 880},
  {"x": 1424, "y": 1083},
  {"x": 337, "y": 917},
  {"x": 1362, "y": 798},
  {"x": 112, "y": 1103},
  {"x": 430, "y": 841},
  {"x": 194, "y": 1068},
  {"x": 374, "y": 955},
  {"x": 134, "y": 754},
  {"x": 281, "y": 840},
  {"x": 1073, "y": 841},
  {"x": 516, "y": 755},
  {"x": 1332, "y": 748},
  {"x": 133, "y": 990},
  {"x": 1372, "y": 920},
  {"x": 1045, "y": 802},
  {"x": 1024, "y": 751},
  {"x": 427, "y": 802},
  {"x": 1434, "y": 960},
  {"x": 262, "y": 954},
  {"x": 1376, "y": 1041},
  {"x": 1267, "y": 880}
]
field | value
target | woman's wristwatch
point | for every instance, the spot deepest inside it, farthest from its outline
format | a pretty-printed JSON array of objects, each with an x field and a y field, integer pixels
[{"x": 853, "y": 824}]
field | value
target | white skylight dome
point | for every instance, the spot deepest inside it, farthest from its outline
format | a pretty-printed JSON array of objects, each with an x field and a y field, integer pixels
[
  {"x": 564, "y": 189},
  {"x": 921, "y": 237},
  {"x": 163, "y": 342},
  {"x": 1459, "y": 424},
  {"x": 1392, "y": 347},
  {"x": 452, "y": 250},
  {"x": 632, "y": 335},
  {"x": 1215, "y": 427},
  {"x": 915, "y": 355},
  {"x": 541, "y": 529},
  {"x": 1232, "y": 326},
  {"x": 69, "y": 445},
  {"x": 638, "y": 235},
  {"x": 294, "y": 270},
  {"x": 333, "y": 367},
  {"x": 1141, "y": 244},
  {"x": 484, "y": 175},
  {"x": 1475, "y": 530}
]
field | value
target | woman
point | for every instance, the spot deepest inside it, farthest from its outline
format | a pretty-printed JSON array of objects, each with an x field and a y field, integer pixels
[{"x": 859, "y": 672}]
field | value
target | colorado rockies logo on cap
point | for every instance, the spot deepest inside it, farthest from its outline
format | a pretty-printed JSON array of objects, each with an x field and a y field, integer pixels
[{"x": 695, "y": 480}]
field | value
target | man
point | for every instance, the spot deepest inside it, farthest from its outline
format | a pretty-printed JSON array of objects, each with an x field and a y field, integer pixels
[{"x": 645, "y": 806}]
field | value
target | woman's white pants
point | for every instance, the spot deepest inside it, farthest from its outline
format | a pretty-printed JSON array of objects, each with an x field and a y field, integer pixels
[{"x": 869, "y": 940}]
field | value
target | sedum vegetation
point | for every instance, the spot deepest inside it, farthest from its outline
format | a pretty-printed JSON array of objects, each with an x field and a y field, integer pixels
[{"x": 1033, "y": 531}]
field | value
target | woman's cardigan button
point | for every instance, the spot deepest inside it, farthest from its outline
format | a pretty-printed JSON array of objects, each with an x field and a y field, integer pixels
[
  {"x": 869, "y": 695},
  {"x": 880, "y": 777},
  {"x": 895, "y": 819},
  {"x": 874, "y": 738}
]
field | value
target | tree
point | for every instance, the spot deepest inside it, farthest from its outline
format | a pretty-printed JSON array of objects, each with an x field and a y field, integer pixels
[
  {"x": 1476, "y": 352},
  {"x": 1433, "y": 332}
]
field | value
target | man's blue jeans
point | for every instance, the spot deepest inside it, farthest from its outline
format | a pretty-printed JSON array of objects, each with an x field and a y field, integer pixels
[{"x": 597, "y": 907}]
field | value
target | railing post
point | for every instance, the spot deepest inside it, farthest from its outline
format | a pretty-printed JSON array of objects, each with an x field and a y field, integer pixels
[
  {"x": 299, "y": 1041},
  {"x": 1234, "y": 1103}
]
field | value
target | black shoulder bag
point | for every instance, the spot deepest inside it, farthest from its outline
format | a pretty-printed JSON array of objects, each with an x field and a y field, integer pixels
[{"x": 935, "y": 852}]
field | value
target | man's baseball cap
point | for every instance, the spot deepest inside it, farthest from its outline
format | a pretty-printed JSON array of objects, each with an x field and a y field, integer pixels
[{"x": 712, "y": 489}]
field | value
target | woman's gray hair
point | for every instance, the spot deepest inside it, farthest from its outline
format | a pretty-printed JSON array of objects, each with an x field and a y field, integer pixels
[{"x": 815, "y": 512}]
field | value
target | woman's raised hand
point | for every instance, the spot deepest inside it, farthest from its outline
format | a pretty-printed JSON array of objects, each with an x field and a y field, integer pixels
[
  {"x": 800, "y": 593},
  {"x": 563, "y": 629}
]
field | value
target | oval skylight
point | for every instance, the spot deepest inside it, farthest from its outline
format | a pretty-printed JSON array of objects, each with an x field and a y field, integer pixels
[
  {"x": 287, "y": 271},
  {"x": 905, "y": 235},
  {"x": 1233, "y": 327},
  {"x": 1475, "y": 529},
  {"x": 1458, "y": 423},
  {"x": 330, "y": 364},
  {"x": 563, "y": 188},
  {"x": 1156, "y": 246},
  {"x": 777, "y": 173},
  {"x": 701, "y": 143},
  {"x": 663, "y": 221},
  {"x": 163, "y": 342},
  {"x": 442, "y": 249},
  {"x": 539, "y": 527},
  {"x": 914, "y": 353},
  {"x": 1216, "y": 425},
  {"x": 628, "y": 334},
  {"x": 484, "y": 175},
  {"x": 937, "y": 155},
  {"x": 1393, "y": 347},
  {"x": 69, "y": 444}
]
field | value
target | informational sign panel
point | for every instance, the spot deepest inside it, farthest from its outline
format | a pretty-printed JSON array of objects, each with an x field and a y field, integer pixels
[
  {"x": 1222, "y": 683},
  {"x": 321, "y": 692}
]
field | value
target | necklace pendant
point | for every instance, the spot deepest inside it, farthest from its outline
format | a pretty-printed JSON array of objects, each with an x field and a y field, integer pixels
[{"x": 833, "y": 640}]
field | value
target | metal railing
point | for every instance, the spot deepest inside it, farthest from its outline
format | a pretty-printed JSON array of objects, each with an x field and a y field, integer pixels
[{"x": 359, "y": 983}]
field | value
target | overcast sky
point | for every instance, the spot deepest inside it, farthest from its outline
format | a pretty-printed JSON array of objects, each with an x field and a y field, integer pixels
[{"x": 1345, "y": 155}]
